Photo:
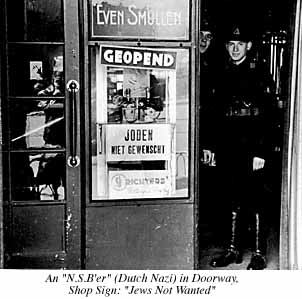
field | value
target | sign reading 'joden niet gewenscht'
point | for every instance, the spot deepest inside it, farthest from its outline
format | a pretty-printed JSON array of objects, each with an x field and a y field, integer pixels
[
  {"x": 140, "y": 19},
  {"x": 138, "y": 142}
]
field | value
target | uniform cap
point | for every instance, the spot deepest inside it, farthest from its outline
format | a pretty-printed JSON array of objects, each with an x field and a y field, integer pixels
[
  {"x": 206, "y": 25},
  {"x": 206, "y": 22},
  {"x": 239, "y": 33}
]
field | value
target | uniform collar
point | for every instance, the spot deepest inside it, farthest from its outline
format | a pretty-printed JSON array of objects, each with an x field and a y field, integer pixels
[{"x": 239, "y": 62}]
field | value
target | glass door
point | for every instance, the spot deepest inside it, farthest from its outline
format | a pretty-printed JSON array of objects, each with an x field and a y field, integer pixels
[{"x": 40, "y": 109}]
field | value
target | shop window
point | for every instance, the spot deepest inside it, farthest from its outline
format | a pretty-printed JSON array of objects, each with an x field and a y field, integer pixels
[
  {"x": 35, "y": 20},
  {"x": 140, "y": 117}
]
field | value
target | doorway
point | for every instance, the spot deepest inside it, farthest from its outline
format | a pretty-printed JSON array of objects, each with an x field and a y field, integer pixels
[{"x": 270, "y": 22}]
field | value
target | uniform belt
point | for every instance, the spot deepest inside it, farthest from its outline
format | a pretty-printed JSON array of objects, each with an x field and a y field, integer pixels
[{"x": 251, "y": 111}]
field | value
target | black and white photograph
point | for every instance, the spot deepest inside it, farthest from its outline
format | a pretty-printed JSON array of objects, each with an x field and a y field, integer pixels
[{"x": 150, "y": 135}]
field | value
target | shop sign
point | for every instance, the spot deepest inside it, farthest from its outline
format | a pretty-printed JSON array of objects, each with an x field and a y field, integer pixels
[
  {"x": 138, "y": 142},
  {"x": 139, "y": 184},
  {"x": 138, "y": 57},
  {"x": 139, "y": 19}
]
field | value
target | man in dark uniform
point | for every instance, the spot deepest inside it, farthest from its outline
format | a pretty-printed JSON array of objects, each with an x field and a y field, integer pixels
[
  {"x": 207, "y": 79},
  {"x": 242, "y": 117}
]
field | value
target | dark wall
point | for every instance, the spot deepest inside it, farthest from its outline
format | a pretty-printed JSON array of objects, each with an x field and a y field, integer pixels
[
  {"x": 1, "y": 173},
  {"x": 259, "y": 15}
]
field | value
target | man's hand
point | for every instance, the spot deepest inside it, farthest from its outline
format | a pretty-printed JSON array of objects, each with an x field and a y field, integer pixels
[
  {"x": 258, "y": 163},
  {"x": 207, "y": 156}
]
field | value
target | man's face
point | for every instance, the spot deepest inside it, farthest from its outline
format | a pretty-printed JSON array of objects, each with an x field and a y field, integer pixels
[
  {"x": 238, "y": 50},
  {"x": 205, "y": 41}
]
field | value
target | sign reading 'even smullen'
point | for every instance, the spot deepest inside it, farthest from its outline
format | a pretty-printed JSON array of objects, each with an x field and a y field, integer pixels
[
  {"x": 138, "y": 58},
  {"x": 143, "y": 19}
]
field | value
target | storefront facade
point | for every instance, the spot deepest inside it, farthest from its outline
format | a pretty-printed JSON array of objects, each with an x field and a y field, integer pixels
[
  {"x": 105, "y": 95},
  {"x": 99, "y": 135}
]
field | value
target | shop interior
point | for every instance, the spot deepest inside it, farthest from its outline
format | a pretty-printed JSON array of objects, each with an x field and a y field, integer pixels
[{"x": 271, "y": 21}]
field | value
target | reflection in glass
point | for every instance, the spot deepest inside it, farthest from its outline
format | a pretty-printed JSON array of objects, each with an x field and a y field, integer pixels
[
  {"x": 38, "y": 176},
  {"x": 35, "y": 20},
  {"x": 36, "y": 70},
  {"x": 37, "y": 124},
  {"x": 136, "y": 95}
]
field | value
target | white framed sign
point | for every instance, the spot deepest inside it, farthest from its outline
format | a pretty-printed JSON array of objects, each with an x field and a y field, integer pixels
[
  {"x": 143, "y": 19},
  {"x": 138, "y": 142}
]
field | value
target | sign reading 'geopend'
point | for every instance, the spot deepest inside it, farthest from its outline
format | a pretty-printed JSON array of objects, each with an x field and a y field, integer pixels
[{"x": 138, "y": 57}]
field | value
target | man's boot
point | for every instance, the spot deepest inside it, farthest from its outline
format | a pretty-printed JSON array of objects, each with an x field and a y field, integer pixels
[
  {"x": 233, "y": 254},
  {"x": 258, "y": 261}
]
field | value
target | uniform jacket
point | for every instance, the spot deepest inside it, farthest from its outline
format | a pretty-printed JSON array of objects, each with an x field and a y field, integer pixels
[{"x": 242, "y": 112}]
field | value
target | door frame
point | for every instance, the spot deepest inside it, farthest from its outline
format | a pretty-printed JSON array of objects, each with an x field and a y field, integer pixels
[
  {"x": 73, "y": 174},
  {"x": 1, "y": 168}
]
